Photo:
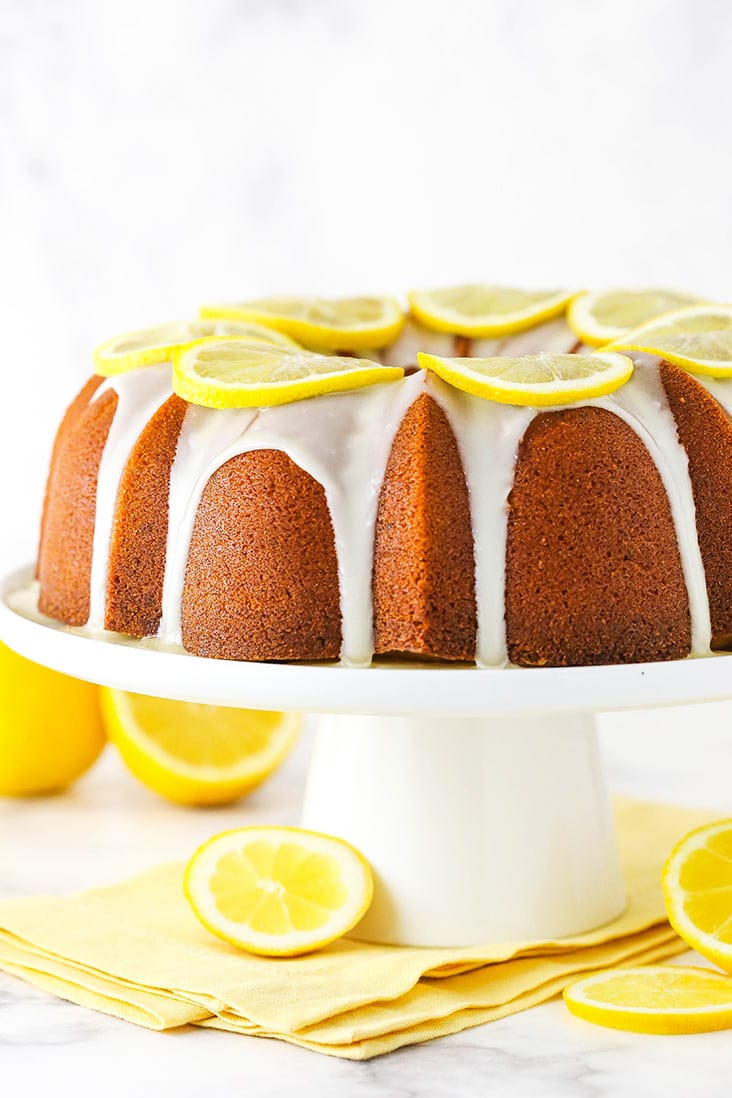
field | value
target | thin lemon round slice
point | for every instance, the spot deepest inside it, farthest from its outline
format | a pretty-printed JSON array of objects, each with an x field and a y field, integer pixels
[
  {"x": 278, "y": 891},
  {"x": 699, "y": 339},
  {"x": 346, "y": 323},
  {"x": 533, "y": 380},
  {"x": 485, "y": 310},
  {"x": 697, "y": 887},
  {"x": 197, "y": 754},
  {"x": 598, "y": 318},
  {"x": 240, "y": 374},
  {"x": 654, "y": 999},
  {"x": 149, "y": 346}
]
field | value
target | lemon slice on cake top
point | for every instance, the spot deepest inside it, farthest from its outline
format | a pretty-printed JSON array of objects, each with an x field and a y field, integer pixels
[
  {"x": 338, "y": 324},
  {"x": 241, "y": 374},
  {"x": 599, "y": 317},
  {"x": 533, "y": 380},
  {"x": 479, "y": 310},
  {"x": 150, "y": 346},
  {"x": 698, "y": 339}
]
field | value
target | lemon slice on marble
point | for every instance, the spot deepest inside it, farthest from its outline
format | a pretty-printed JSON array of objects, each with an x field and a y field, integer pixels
[
  {"x": 598, "y": 318},
  {"x": 239, "y": 374},
  {"x": 699, "y": 339},
  {"x": 697, "y": 886},
  {"x": 278, "y": 891},
  {"x": 486, "y": 310},
  {"x": 197, "y": 754},
  {"x": 534, "y": 380},
  {"x": 654, "y": 999},
  {"x": 149, "y": 346},
  {"x": 346, "y": 323}
]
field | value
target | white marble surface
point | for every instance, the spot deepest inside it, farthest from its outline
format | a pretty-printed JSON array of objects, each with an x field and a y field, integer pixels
[{"x": 109, "y": 826}]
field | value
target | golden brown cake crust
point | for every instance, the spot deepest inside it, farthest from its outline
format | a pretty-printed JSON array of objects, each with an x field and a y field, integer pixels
[
  {"x": 705, "y": 432},
  {"x": 424, "y": 568},
  {"x": 66, "y": 426},
  {"x": 67, "y": 538},
  {"x": 140, "y": 526},
  {"x": 593, "y": 572},
  {"x": 262, "y": 576}
]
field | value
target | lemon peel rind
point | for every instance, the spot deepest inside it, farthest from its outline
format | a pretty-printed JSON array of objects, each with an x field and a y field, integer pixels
[
  {"x": 663, "y": 1023},
  {"x": 519, "y": 321},
  {"x": 634, "y": 340},
  {"x": 267, "y": 946},
  {"x": 543, "y": 395}
]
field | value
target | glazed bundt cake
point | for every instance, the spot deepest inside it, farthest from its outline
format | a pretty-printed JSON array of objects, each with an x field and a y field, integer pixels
[{"x": 404, "y": 519}]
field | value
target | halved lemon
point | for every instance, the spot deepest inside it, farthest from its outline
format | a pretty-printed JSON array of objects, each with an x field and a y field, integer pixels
[
  {"x": 486, "y": 310},
  {"x": 533, "y": 380},
  {"x": 149, "y": 346},
  {"x": 197, "y": 754},
  {"x": 345, "y": 323},
  {"x": 601, "y": 316},
  {"x": 697, "y": 887},
  {"x": 278, "y": 891},
  {"x": 654, "y": 999},
  {"x": 699, "y": 339},
  {"x": 240, "y": 374}
]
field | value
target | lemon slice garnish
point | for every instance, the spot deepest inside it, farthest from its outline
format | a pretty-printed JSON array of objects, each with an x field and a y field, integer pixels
[
  {"x": 484, "y": 310},
  {"x": 534, "y": 380},
  {"x": 149, "y": 346},
  {"x": 278, "y": 891},
  {"x": 598, "y": 318},
  {"x": 197, "y": 754},
  {"x": 699, "y": 339},
  {"x": 697, "y": 887},
  {"x": 654, "y": 999},
  {"x": 233, "y": 373},
  {"x": 347, "y": 323}
]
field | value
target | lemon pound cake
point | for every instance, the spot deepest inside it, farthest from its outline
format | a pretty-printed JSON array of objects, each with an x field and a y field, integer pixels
[{"x": 490, "y": 476}]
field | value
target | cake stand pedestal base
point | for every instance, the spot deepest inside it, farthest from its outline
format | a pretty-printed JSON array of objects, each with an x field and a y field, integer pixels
[{"x": 479, "y": 829}]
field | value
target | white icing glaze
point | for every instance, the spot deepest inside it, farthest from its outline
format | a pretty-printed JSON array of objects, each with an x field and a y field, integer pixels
[
  {"x": 642, "y": 404},
  {"x": 139, "y": 394},
  {"x": 414, "y": 338},
  {"x": 317, "y": 436},
  {"x": 488, "y": 436},
  {"x": 553, "y": 336}
]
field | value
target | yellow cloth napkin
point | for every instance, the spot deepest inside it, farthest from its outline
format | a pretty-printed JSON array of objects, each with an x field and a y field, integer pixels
[{"x": 136, "y": 951}]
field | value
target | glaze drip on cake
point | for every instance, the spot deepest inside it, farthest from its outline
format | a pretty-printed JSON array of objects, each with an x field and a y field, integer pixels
[{"x": 344, "y": 442}]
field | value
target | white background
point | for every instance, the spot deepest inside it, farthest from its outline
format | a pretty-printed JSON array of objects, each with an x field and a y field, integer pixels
[{"x": 158, "y": 153}]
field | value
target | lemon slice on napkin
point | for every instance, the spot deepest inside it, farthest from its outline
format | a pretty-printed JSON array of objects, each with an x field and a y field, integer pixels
[{"x": 278, "y": 891}]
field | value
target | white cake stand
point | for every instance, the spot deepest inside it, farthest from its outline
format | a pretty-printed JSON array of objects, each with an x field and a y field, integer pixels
[{"x": 477, "y": 795}]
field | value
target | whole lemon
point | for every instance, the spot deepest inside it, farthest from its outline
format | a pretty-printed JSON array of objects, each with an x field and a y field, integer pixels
[{"x": 50, "y": 727}]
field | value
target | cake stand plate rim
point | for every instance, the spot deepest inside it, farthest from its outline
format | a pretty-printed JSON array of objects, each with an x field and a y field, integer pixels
[{"x": 380, "y": 689}]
